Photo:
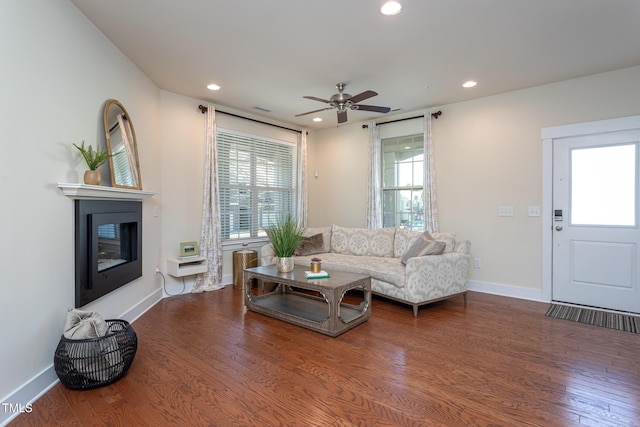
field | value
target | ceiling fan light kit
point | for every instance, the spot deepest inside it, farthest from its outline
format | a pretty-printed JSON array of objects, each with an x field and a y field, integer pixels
[{"x": 343, "y": 101}]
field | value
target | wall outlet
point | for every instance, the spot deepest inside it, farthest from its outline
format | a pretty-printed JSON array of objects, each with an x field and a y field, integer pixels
[{"x": 477, "y": 263}]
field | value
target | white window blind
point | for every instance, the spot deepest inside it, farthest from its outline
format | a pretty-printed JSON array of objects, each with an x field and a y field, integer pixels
[
  {"x": 121, "y": 166},
  {"x": 257, "y": 179},
  {"x": 109, "y": 231}
]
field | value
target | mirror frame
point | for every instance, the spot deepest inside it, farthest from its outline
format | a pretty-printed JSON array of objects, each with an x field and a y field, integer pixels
[{"x": 133, "y": 160}]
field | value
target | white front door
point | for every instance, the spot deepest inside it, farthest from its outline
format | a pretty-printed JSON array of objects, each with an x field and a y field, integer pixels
[{"x": 595, "y": 233}]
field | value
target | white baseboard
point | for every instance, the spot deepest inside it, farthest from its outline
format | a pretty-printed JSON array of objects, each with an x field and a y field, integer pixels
[
  {"x": 227, "y": 280},
  {"x": 23, "y": 398},
  {"x": 507, "y": 290},
  {"x": 142, "y": 307}
]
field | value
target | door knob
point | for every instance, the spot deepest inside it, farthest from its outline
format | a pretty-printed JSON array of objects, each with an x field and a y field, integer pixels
[{"x": 558, "y": 227}]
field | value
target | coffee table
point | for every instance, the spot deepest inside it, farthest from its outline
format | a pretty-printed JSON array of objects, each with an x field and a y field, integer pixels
[{"x": 328, "y": 314}]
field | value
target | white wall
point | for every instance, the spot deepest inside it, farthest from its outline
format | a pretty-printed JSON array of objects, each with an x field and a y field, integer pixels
[
  {"x": 58, "y": 70},
  {"x": 488, "y": 153},
  {"x": 182, "y": 140}
]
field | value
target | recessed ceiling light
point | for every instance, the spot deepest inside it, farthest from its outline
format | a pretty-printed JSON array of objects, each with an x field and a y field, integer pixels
[
  {"x": 317, "y": 119},
  {"x": 213, "y": 87},
  {"x": 391, "y": 8},
  {"x": 470, "y": 83}
]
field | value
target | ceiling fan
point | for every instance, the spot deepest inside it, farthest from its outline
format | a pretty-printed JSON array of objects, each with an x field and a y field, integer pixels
[{"x": 343, "y": 101}]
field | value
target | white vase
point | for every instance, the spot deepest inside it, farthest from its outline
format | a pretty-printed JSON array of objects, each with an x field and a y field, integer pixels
[{"x": 284, "y": 264}]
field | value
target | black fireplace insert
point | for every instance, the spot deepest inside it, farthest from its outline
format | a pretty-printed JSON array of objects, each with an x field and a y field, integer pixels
[{"x": 108, "y": 246}]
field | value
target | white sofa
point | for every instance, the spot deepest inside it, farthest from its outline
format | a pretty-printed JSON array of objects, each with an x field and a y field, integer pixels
[{"x": 379, "y": 253}]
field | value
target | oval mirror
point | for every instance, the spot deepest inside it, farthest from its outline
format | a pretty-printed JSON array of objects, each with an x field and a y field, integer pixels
[{"x": 122, "y": 146}]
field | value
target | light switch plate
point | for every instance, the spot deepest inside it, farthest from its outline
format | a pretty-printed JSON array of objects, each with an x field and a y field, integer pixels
[{"x": 505, "y": 210}]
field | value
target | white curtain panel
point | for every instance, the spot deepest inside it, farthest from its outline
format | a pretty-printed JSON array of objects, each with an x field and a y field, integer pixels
[
  {"x": 429, "y": 193},
  {"x": 210, "y": 236},
  {"x": 374, "y": 190},
  {"x": 301, "y": 187}
]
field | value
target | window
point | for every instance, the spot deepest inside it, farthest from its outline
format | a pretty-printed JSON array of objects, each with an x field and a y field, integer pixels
[
  {"x": 257, "y": 178},
  {"x": 603, "y": 185},
  {"x": 402, "y": 182}
]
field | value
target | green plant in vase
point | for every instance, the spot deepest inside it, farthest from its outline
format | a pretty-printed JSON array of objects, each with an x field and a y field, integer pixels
[
  {"x": 285, "y": 236},
  {"x": 94, "y": 159}
]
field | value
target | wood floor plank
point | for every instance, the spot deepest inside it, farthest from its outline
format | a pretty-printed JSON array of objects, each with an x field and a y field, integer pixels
[{"x": 204, "y": 361}]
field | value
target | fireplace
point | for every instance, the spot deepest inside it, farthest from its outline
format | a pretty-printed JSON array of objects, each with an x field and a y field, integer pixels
[{"x": 108, "y": 252}]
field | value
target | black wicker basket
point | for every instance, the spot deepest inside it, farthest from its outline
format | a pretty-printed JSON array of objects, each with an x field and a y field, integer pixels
[{"x": 94, "y": 362}]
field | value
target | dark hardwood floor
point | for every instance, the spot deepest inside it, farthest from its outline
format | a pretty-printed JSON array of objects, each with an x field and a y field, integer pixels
[{"x": 494, "y": 362}]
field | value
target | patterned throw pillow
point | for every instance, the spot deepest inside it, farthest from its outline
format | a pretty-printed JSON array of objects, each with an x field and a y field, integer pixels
[
  {"x": 423, "y": 245},
  {"x": 311, "y": 245}
]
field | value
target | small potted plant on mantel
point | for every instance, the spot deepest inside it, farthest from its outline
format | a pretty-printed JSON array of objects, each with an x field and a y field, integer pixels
[
  {"x": 94, "y": 159},
  {"x": 285, "y": 237}
]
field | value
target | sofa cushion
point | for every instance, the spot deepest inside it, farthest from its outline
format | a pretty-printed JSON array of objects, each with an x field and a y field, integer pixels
[
  {"x": 386, "y": 269},
  {"x": 363, "y": 241},
  {"x": 404, "y": 239},
  {"x": 423, "y": 245},
  {"x": 311, "y": 245}
]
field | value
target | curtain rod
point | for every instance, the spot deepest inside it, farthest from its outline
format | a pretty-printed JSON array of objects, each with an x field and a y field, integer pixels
[
  {"x": 434, "y": 115},
  {"x": 204, "y": 109}
]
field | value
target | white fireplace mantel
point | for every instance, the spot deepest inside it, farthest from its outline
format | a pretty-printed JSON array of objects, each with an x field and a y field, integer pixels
[{"x": 84, "y": 191}]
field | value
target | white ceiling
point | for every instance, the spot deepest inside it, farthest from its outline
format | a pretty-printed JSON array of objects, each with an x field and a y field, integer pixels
[{"x": 268, "y": 54}]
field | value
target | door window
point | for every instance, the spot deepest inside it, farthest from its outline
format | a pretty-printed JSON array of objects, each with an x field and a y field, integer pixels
[{"x": 603, "y": 185}]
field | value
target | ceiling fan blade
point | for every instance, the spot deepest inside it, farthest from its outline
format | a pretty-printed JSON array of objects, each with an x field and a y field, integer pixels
[
  {"x": 317, "y": 99},
  {"x": 342, "y": 116},
  {"x": 362, "y": 96},
  {"x": 374, "y": 108},
  {"x": 314, "y": 111}
]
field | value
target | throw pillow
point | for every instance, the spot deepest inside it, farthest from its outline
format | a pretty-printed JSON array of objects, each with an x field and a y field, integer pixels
[
  {"x": 423, "y": 245},
  {"x": 310, "y": 245},
  {"x": 435, "y": 247}
]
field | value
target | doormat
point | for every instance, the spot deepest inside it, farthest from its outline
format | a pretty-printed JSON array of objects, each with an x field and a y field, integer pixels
[{"x": 621, "y": 322}]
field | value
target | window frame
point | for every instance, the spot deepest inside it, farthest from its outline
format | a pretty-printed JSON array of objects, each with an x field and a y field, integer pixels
[{"x": 414, "y": 214}]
